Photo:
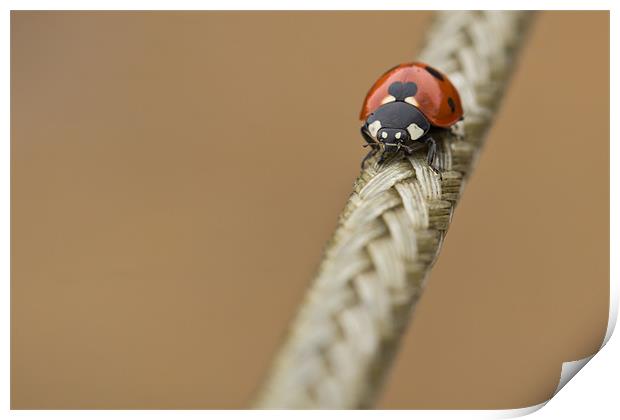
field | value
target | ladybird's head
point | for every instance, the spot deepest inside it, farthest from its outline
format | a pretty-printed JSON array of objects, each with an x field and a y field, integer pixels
[
  {"x": 397, "y": 122},
  {"x": 393, "y": 135}
]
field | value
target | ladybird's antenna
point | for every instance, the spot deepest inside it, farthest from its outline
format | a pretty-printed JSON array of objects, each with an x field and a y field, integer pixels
[{"x": 374, "y": 269}]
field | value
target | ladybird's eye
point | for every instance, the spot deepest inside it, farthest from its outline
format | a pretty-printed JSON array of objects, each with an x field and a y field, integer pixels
[{"x": 388, "y": 99}]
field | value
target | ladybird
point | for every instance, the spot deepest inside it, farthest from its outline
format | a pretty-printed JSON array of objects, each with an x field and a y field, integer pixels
[{"x": 405, "y": 107}]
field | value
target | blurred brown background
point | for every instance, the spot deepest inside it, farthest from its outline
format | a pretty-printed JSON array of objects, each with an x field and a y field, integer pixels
[{"x": 176, "y": 175}]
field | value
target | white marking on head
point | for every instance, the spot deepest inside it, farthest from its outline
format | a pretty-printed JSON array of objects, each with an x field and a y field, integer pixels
[
  {"x": 388, "y": 99},
  {"x": 384, "y": 135},
  {"x": 411, "y": 100},
  {"x": 397, "y": 135},
  {"x": 374, "y": 128},
  {"x": 415, "y": 132}
]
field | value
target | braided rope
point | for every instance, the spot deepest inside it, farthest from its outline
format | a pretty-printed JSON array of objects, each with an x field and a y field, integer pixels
[{"x": 390, "y": 232}]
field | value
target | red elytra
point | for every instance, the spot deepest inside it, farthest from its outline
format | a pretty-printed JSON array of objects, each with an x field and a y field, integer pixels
[{"x": 436, "y": 96}]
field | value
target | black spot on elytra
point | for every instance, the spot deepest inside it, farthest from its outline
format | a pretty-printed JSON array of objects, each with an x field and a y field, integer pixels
[
  {"x": 452, "y": 105},
  {"x": 400, "y": 90},
  {"x": 434, "y": 72}
]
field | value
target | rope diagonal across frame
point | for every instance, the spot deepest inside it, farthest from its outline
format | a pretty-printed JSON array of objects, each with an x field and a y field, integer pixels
[{"x": 374, "y": 269}]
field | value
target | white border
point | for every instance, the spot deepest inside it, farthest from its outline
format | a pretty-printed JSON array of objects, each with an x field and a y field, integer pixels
[
  {"x": 306, "y": 5},
  {"x": 595, "y": 391}
]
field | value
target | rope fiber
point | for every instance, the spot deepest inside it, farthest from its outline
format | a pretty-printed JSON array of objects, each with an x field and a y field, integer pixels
[{"x": 374, "y": 269}]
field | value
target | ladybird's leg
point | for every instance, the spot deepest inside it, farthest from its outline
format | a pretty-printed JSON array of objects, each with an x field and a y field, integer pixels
[
  {"x": 375, "y": 147},
  {"x": 382, "y": 148},
  {"x": 432, "y": 153},
  {"x": 407, "y": 149},
  {"x": 413, "y": 147},
  {"x": 369, "y": 140},
  {"x": 370, "y": 154},
  {"x": 382, "y": 158}
]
